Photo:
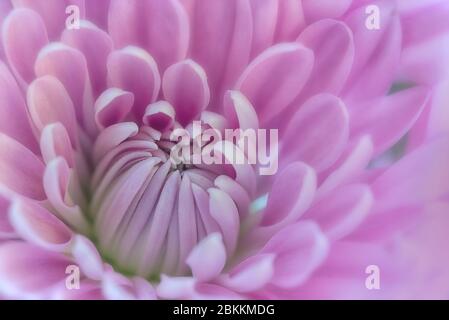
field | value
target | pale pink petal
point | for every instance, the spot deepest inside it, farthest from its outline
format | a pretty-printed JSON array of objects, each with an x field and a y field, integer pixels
[
  {"x": 239, "y": 111},
  {"x": 159, "y": 115},
  {"x": 87, "y": 257},
  {"x": 320, "y": 9}
]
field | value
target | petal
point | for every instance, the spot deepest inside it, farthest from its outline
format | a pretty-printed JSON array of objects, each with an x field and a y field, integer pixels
[
  {"x": 49, "y": 102},
  {"x": 37, "y": 225},
  {"x": 55, "y": 142},
  {"x": 6, "y": 229},
  {"x": 113, "y": 136},
  {"x": 355, "y": 159},
  {"x": 96, "y": 45},
  {"x": 69, "y": 66},
  {"x": 165, "y": 23},
  {"x": 265, "y": 14},
  {"x": 250, "y": 275},
  {"x": 320, "y": 9},
  {"x": 225, "y": 213},
  {"x": 27, "y": 271},
  {"x": 377, "y": 53},
  {"x": 16, "y": 124},
  {"x": 134, "y": 70},
  {"x": 87, "y": 257},
  {"x": 24, "y": 35},
  {"x": 332, "y": 44},
  {"x": 300, "y": 180},
  {"x": 389, "y": 119},
  {"x": 97, "y": 11},
  {"x": 20, "y": 169},
  {"x": 239, "y": 111},
  {"x": 57, "y": 182},
  {"x": 213, "y": 248},
  {"x": 342, "y": 211},
  {"x": 299, "y": 248},
  {"x": 52, "y": 11},
  {"x": 159, "y": 115},
  {"x": 112, "y": 106},
  {"x": 185, "y": 86},
  {"x": 290, "y": 20},
  {"x": 419, "y": 177},
  {"x": 317, "y": 134},
  {"x": 221, "y": 44},
  {"x": 275, "y": 78}
]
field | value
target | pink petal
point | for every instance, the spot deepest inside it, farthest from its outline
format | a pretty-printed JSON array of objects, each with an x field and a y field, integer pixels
[
  {"x": 20, "y": 169},
  {"x": 377, "y": 53},
  {"x": 225, "y": 213},
  {"x": 49, "y": 102},
  {"x": 388, "y": 119},
  {"x": 6, "y": 229},
  {"x": 134, "y": 70},
  {"x": 24, "y": 34},
  {"x": 16, "y": 124},
  {"x": 290, "y": 20},
  {"x": 95, "y": 45},
  {"x": 112, "y": 106},
  {"x": 265, "y": 14},
  {"x": 39, "y": 226},
  {"x": 332, "y": 44},
  {"x": 159, "y": 26},
  {"x": 69, "y": 66},
  {"x": 185, "y": 86},
  {"x": 55, "y": 142},
  {"x": 417, "y": 178},
  {"x": 213, "y": 248},
  {"x": 52, "y": 11},
  {"x": 27, "y": 271},
  {"x": 275, "y": 78},
  {"x": 282, "y": 207},
  {"x": 97, "y": 11},
  {"x": 221, "y": 44},
  {"x": 113, "y": 136},
  {"x": 299, "y": 249},
  {"x": 342, "y": 211},
  {"x": 239, "y": 111},
  {"x": 317, "y": 134},
  {"x": 87, "y": 257},
  {"x": 250, "y": 275},
  {"x": 159, "y": 115},
  {"x": 320, "y": 9}
]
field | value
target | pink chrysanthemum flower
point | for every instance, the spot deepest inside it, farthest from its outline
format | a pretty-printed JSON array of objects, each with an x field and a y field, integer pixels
[{"x": 85, "y": 171}]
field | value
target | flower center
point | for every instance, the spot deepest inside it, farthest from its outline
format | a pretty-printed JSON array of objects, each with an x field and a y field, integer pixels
[{"x": 149, "y": 212}]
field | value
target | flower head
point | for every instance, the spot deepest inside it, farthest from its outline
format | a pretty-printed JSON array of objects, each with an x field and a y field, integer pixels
[{"x": 92, "y": 113}]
